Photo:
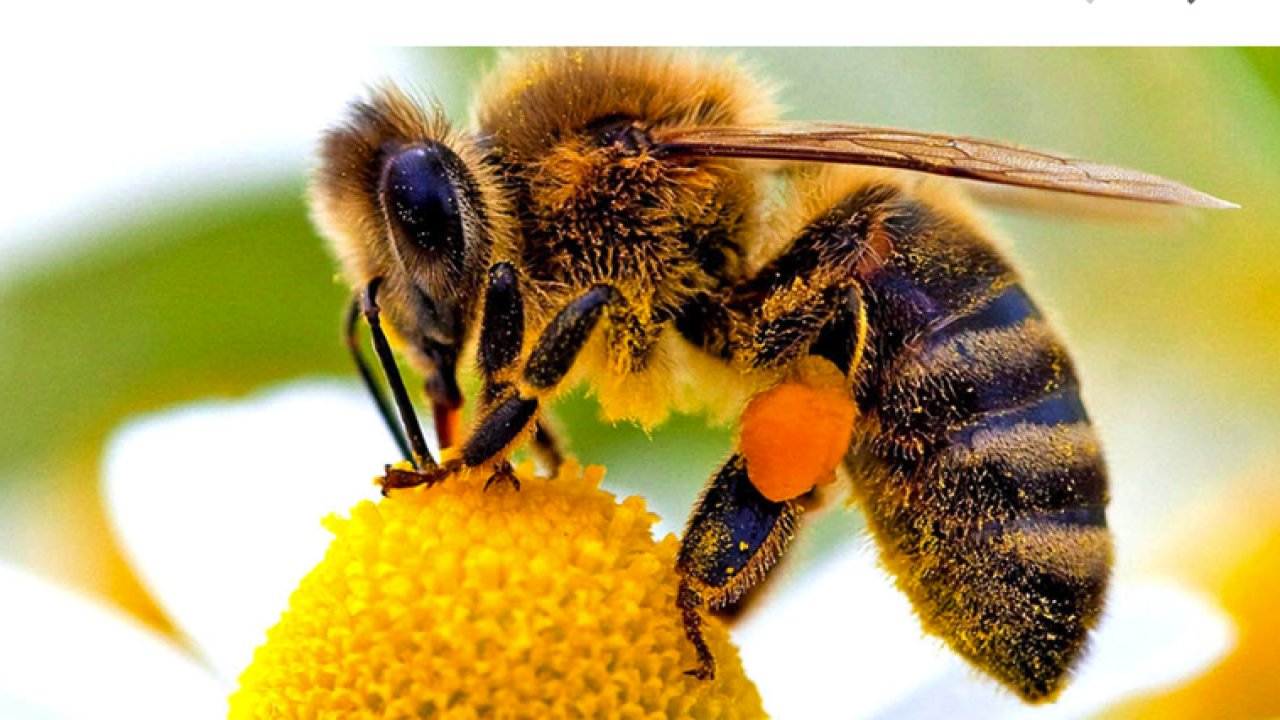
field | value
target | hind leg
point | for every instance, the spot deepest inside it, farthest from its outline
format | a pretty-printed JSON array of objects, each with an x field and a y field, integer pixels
[
  {"x": 792, "y": 437},
  {"x": 733, "y": 538}
]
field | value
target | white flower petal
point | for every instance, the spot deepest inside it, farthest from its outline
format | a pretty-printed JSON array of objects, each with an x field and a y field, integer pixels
[
  {"x": 63, "y": 655},
  {"x": 12, "y": 708},
  {"x": 1154, "y": 635},
  {"x": 841, "y": 642},
  {"x": 219, "y": 504}
]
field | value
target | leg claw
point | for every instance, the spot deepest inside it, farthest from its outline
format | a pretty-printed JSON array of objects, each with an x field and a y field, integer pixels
[
  {"x": 396, "y": 479},
  {"x": 703, "y": 672},
  {"x": 503, "y": 476}
]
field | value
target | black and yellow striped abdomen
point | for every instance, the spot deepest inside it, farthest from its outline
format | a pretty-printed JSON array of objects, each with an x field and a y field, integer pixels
[{"x": 976, "y": 462}]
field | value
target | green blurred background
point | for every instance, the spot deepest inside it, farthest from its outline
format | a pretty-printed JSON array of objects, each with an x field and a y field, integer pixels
[{"x": 1172, "y": 317}]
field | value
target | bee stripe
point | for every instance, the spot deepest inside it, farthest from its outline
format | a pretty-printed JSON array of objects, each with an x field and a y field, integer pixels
[
  {"x": 1010, "y": 308},
  {"x": 993, "y": 369},
  {"x": 1090, "y": 516},
  {"x": 1060, "y": 408},
  {"x": 1025, "y": 470},
  {"x": 963, "y": 380},
  {"x": 980, "y": 474},
  {"x": 1024, "y": 594}
]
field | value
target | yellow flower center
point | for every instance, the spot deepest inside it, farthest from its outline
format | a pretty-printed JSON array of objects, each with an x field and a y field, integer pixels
[{"x": 553, "y": 601}]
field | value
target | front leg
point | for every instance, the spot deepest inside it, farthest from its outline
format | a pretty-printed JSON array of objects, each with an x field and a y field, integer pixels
[
  {"x": 501, "y": 328},
  {"x": 501, "y": 338},
  {"x": 552, "y": 358}
]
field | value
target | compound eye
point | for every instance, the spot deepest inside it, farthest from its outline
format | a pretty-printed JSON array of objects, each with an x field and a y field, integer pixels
[{"x": 421, "y": 199}]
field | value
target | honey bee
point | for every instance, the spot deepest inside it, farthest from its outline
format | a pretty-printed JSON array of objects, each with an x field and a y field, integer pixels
[{"x": 609, "y": 217}]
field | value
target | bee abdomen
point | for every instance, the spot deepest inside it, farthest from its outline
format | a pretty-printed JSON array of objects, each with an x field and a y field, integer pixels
[{"x": 988, "y": 491}]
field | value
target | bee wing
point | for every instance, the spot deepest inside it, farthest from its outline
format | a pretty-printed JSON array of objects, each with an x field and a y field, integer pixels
[{"x": 950, "y": 155}]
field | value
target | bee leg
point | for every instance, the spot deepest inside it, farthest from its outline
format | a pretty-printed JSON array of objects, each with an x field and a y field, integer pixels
[
  {"x": 734, "y": 537},
  {"x": 547, "y": 445},
  {"x": 503, "y": 475},
  {"x": 502, "y": 326},
  {"x": 843, "y": 339},
  {"x": 501, "y": 338},
  {"x": 560, "y": 343},
  {"x": 689, "y": 601},
  {"x": 794, "y": 435},
  {"x": 394, "y": 478},
  {"x": 412, "y": 438},
  {"x": 779, "y": 339},
  {"x": 500, "y": 425},
  {"x": 550, "y": 361}
]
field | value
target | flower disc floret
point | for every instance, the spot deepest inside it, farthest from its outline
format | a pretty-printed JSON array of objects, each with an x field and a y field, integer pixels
[{"x": 452, "y": 602}]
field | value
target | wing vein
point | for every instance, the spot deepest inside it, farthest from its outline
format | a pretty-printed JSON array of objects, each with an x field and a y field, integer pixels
[{"x": 954, "y": 156}]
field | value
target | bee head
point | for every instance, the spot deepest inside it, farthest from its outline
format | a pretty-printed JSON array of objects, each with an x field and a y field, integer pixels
[
  {"x": 404, "y": 199},
  {"x": 432, "y": 221}
]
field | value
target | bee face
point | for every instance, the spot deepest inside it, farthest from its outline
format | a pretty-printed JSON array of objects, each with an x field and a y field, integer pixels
[{"x": 407, "y": 202}]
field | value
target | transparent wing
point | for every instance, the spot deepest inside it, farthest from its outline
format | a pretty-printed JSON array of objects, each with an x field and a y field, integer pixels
[{"x": 949, "y": 155}]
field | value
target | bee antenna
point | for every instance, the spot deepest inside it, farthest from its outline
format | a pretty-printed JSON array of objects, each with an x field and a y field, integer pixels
[
  {"x": 351, "y": 332},
  {"x": 408, "y": 432}
]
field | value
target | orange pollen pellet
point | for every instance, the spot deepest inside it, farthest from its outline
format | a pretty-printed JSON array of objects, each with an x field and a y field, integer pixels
[{"x": 793, "y": 437}]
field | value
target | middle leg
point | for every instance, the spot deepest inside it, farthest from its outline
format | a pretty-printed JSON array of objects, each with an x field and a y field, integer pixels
[{"x": 547, "y": 443}]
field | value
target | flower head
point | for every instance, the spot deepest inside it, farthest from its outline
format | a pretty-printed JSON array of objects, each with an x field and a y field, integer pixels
[{"x": 451, "y": 601}]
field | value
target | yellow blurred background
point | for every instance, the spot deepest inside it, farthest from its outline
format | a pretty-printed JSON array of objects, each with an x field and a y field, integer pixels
[{"x": 156, "y": 250}]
